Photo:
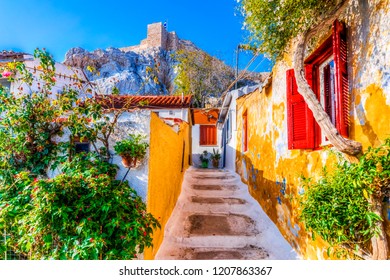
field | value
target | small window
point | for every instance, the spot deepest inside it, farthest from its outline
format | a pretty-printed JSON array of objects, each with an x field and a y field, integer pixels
[
  {"x": 171, "y": 113},
  {"x": 208, "y": 135},
  {"x": 229, "y": 126},
  {"x": 245, "y": 132},
  {"x": 81, "y": 146}
]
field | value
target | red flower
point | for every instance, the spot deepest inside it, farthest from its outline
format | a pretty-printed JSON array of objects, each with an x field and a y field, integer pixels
[
  {"x": 89, "y": 219},
  {"x": 144, "y": 233},
  {"x": 53, "y": 79},
  {"x": 35, "y": 180},
  {"x": 91, "y": 240},
  {"x": 6, "y": 74},
  {"x": 122, "y": 237}
]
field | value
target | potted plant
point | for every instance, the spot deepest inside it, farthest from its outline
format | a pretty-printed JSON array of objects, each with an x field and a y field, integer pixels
[
  {"x": 204, "y": 159},
  {"x": 132, "y": 150},
  {"x": 215, "y": 157}
]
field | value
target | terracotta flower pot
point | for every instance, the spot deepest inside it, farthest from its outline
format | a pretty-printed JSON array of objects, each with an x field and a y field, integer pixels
[{"x": 129, "y": 162}]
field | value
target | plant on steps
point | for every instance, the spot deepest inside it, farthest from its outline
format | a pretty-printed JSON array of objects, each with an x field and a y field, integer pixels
[
  {"x": 215, "y": 158},
  {"x": 204, "y": 159}
]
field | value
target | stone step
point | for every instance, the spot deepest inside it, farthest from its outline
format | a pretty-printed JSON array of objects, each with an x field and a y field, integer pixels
[
  {"x": 194, "y": 253},
  {"x": 216, "y": 218}
]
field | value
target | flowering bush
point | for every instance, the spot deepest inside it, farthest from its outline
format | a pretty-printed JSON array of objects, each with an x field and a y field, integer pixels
[{"x": 82, "y": 213}]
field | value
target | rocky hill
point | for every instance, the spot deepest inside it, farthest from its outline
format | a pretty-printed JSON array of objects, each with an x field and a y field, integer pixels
[{"x": 148, "y": 68}]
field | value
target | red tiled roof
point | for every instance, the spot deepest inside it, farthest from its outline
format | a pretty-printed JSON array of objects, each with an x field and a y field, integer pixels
[
  {"x": 149, "y": 102},
  {"x": 205, "y": 116}
]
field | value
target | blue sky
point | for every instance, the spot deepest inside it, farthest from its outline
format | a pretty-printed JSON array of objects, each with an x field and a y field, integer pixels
[{"x": 213, "y": 25}]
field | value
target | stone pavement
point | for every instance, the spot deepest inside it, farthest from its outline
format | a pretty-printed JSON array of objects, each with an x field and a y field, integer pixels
[{"x": 216, "y": 218}]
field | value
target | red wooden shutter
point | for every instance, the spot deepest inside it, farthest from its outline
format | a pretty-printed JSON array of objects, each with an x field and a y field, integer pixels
[
  {"x": 300, "y": 119},
  {"x": 341, "y": 77},
  {"x": 208, "y": 135},
  {"x": 327, "y": 91}
]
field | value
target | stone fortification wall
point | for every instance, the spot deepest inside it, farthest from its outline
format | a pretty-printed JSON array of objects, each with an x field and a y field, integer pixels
[{"x": 157, "y": 37}]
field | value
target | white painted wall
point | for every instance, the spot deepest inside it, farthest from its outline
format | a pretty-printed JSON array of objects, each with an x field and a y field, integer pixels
[
  {"x": 69, "y": 76},
  {"x": 173, "y": 113},
  {"x": 197, "y": 150},
  {"x": 128, "y": 123},
  {"x": 231, "y": 145}
]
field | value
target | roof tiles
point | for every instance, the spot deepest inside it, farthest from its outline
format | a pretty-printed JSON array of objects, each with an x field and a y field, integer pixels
[{"x": 149, "y": 102}]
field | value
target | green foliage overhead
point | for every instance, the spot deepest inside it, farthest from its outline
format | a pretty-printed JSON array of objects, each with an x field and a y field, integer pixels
[
  {"x": 338, "y": 207},
  {"x": 273, "y": 23}
]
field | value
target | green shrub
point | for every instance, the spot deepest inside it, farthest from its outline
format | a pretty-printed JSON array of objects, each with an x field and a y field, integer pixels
[
  {"x": 339, "y": 206},
  {"x": 83, "y": 213}
]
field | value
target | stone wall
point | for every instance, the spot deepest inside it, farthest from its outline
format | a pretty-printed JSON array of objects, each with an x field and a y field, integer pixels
[{"x": 157, "y": 37}]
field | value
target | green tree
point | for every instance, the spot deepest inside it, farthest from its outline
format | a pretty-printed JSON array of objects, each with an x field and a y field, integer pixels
[
  {"x": 82, "y": 213},
  {"x": 201, "y": 75},
  {"x": 273, "y": 25}
]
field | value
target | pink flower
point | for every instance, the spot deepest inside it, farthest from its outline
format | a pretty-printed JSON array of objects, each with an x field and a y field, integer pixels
[{"x": 6, "y": 73}]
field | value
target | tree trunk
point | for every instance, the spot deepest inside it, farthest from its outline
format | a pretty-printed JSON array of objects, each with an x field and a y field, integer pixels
[
  {"x": 346, "y": 146},
  {"x": 379, "y": 242},
  {"x": 349, "y": 147}
]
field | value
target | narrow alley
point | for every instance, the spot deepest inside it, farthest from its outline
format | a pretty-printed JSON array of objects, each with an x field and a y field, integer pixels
[{"x": 216, "y": 218}]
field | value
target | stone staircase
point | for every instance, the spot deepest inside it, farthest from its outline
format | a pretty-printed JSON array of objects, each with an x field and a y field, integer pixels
[{"x": 216, "y": 218}]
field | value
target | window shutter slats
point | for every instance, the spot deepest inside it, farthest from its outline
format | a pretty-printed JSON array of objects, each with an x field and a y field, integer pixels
[
  {"x": 327, "y": 91},
  {"x": 208, "y": 135},
  {"x": 340, "y": 53},
  {"x": 300, "y": 119}
]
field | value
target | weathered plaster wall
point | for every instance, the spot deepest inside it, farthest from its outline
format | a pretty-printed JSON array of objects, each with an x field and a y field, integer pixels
[
  {"x": 270, "y": 169},
  {"x": 169, "y": 159}
]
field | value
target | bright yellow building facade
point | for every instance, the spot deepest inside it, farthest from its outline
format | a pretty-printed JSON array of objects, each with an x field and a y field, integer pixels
[
  {"x": 169, "y": 159},
  {"x": 272, "y": 170}
]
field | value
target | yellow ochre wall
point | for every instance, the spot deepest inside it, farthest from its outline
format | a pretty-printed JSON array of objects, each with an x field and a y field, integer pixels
[
  {"x": 273, "y": 172},
  {"x": 165, "y": 173}
]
